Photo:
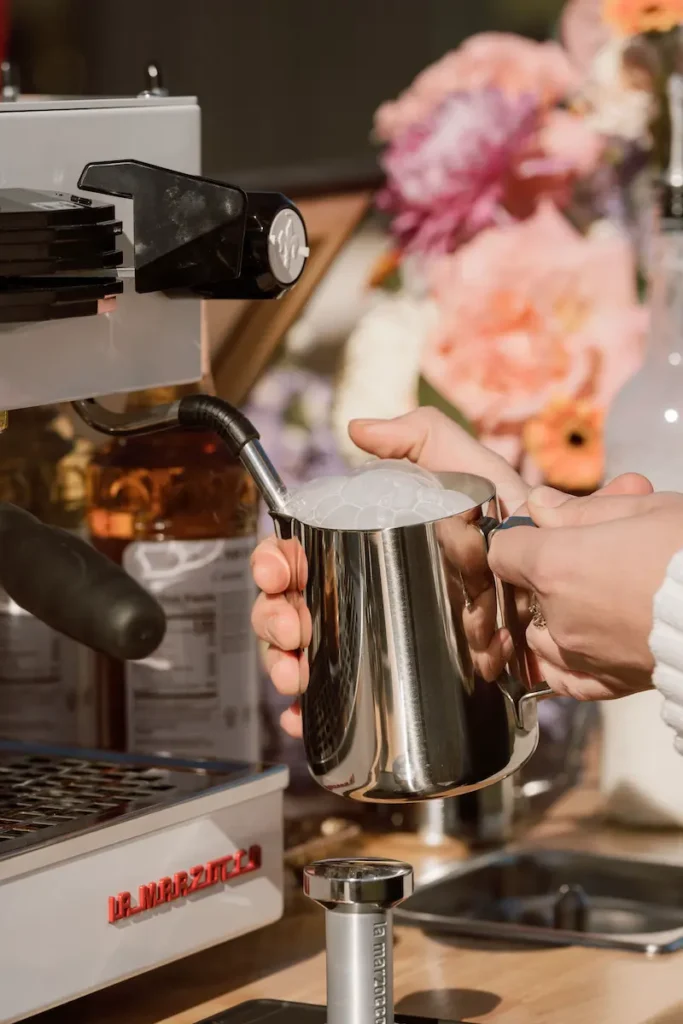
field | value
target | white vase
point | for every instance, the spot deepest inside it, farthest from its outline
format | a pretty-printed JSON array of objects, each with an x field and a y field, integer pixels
[
  {"x": 642, "y": 774},
  {"x": 644, "y": 428}
]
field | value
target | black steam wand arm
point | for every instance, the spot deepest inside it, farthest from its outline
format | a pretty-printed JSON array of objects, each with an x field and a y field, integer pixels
[{"x": 197, "y": 412}]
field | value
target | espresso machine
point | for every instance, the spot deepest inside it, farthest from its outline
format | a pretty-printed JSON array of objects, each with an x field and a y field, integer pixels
[{"x": 110, "y": 864}]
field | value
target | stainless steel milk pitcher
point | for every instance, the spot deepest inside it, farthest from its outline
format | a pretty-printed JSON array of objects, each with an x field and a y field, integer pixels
[{"x": 395, "y": 709}]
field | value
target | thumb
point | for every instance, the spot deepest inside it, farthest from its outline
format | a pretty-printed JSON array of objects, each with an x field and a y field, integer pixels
[
  {"x": 423, "y": 436},
  {"x": 622, "y": 497},
  {"x": 434, "y": 441}
]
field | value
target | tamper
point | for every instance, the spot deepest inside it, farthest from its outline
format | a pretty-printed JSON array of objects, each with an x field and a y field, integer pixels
[{"x": 359, "y": 896}]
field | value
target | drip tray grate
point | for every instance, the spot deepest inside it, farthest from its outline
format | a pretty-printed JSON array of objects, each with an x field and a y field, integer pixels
[{"x": 48, "y": 793}]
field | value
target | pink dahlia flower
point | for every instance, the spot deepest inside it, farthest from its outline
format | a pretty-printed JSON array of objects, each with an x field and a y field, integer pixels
[
  {"x": 500, "y": 60},
  {"x": 450, "y": 177}
]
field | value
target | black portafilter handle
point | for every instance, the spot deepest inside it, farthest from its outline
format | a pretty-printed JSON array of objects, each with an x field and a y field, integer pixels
[{"x": 76, "y": 590}]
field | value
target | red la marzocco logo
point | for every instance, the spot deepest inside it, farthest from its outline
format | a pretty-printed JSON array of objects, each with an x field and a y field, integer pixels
[{"x": 184, "y": 883}]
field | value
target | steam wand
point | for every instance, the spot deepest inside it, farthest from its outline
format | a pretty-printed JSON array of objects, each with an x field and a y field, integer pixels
[{"x": 191, "y": 412}]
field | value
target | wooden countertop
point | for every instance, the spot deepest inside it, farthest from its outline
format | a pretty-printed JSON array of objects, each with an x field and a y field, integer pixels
[{"x": 447, "y": 979}]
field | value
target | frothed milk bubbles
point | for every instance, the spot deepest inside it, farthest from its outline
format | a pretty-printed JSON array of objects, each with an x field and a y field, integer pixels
[{"x": 381, "y": 494}]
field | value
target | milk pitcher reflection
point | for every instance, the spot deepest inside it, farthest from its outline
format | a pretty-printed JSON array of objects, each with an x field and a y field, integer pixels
[{"x": 401, "y": 705}]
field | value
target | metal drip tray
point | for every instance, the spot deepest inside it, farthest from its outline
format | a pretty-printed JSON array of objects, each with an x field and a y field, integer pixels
[
  {"x": 48, "y": 793},
  {"x": 554, "y": 897}
]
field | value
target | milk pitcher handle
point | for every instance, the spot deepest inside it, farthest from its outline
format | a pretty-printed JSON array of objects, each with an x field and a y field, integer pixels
[{"x": 489, "y": 527}]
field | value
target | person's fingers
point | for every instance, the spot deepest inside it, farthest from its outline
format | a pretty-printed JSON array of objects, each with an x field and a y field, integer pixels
[
  {"x": 290, "y": 721},
  {"x": 279, "y": 565},
  {"x": 275, "y": 620},
  {"x": 270, "y": 568},
  {"x": 288, "y": 670},
  {"x": 548, "y": 511},
  {"x": 514, "y": 555},
  {"x": 464, "y": 548},
  {"x": 283, "y": 669},
  {"x": 543, "y": 645},
  {"x": 490, "y": 663},
  {"x": 298, "y": 603},
  {"x": 569, "y": 676},
  {"x": 577, "y": 685},
  {"x": 628, "y": 483},
  {"x": 479, "y": 620},
  {"x": 432, "y": 440},
  {"x": 549, "y": 498}
]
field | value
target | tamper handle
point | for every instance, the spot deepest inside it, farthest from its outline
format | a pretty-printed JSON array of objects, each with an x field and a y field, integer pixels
[
  {"x": 358, "y": 896},
  {"x": 362, "y": 881}
]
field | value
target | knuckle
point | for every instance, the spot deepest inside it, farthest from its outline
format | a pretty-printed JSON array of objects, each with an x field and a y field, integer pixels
[
  {"x": 428, "y": 416},
  {"x": 429, "y": 413},
  {"x": 257, "y": 615},
  {"x": 543, "y": 567},
  {"x": 306, "y": 628},
  {"x": 567, "y": 638},
  {"x": 262, "y": 548}
]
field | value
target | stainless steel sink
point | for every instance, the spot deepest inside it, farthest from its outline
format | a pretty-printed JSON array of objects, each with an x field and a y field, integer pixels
[{"x": 555, "y": 897}]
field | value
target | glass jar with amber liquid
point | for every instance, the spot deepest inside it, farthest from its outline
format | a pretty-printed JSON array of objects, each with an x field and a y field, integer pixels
[
  {"x": 47, "y": 691},
  {"x": 180, "y": 515}
]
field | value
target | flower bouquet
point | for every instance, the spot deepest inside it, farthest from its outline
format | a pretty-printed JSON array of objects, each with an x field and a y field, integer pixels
[{"x": 516, "y": 195}]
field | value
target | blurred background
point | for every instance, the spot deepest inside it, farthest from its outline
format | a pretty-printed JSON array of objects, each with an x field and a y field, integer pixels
[{"x": 289, "y": 85}]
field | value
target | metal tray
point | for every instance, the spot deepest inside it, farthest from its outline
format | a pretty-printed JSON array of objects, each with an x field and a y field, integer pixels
[
  {"x": 52, "y": 793},
  {"x": 555, "y": 897}
]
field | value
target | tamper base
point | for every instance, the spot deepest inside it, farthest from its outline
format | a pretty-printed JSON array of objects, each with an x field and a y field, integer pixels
[{"x": 277, "y": 1011}]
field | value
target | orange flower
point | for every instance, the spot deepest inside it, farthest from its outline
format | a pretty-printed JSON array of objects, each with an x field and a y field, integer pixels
[
  {"x": 633, "y": 17},
  {"x": 565, "y": 441}
]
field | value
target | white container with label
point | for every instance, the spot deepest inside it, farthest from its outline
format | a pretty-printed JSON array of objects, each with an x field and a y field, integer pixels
[
  {"x": 46, "y": 682},
  {"x": 198, "y": 695}
]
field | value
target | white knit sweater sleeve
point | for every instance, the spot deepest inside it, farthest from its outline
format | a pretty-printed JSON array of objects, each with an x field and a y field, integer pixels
[{"x": 666, "y": 644}]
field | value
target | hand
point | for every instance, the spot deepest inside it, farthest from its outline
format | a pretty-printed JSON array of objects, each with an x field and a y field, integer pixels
[
  {"x": 429, "y": 439},
  {"x": 595, "y": 568}
]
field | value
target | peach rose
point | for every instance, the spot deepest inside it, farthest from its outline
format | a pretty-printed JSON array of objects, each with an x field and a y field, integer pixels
[
  {"x": 516, "y": 66},
  {"x": 531, "y": 312}
]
